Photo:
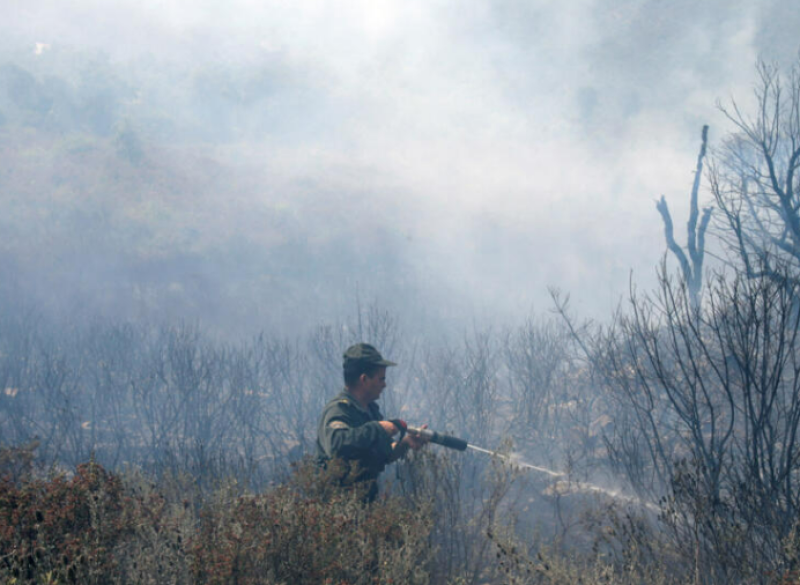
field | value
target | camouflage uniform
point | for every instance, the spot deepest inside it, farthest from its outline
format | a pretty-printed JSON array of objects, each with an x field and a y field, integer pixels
[{"x": 349, "y": 432}]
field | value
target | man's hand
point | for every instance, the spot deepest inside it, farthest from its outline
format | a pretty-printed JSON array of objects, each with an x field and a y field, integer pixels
[
  {"x": 387, "y": 426},
  {"x": 414, "y": 441}
]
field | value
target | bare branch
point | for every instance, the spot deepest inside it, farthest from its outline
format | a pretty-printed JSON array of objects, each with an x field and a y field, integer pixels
[
  {"x": 754, "y": 179},
  {"x": 693, "y": 213},
  {"x": 663, "y": 209}
]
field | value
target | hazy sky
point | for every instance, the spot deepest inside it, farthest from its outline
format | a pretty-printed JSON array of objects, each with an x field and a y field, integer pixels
[{"x": 515, "y": 144}]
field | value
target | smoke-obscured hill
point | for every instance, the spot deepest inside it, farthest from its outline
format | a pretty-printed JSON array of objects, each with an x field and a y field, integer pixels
[{"x": 133, "y": 193}]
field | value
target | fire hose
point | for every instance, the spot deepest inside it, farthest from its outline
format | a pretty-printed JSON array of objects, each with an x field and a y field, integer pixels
[{"x": 439, "y": 438}]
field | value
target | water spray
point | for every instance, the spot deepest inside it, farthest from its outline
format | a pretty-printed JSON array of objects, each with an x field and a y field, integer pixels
[{"x": 461, "y": 445}]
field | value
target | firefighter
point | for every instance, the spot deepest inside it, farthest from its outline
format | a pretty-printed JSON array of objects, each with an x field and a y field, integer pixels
[{"x": 352, "y": 428}]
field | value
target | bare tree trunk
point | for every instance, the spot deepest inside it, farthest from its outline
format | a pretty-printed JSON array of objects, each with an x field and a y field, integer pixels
[{"x": 691, "y": 267}]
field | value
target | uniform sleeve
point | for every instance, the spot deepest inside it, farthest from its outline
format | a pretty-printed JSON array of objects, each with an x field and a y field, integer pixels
[{"x": 340, "y": 437}]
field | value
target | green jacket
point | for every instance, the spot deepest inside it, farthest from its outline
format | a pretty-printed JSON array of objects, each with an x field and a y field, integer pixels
[{"x": 350, "y": 432}]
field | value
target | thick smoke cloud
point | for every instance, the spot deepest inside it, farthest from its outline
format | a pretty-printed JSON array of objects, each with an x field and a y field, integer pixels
[{"x": 450, "y": 160}]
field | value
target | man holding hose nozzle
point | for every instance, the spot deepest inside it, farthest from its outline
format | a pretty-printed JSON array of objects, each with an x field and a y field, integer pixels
[{"x": 352, "y": 428}]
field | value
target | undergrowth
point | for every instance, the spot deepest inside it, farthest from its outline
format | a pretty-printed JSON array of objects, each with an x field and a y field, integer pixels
[{"x": 94, "y": 526}]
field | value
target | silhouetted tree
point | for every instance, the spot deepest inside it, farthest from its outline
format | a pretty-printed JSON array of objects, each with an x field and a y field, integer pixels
[
  {"x": 754, "y": 178},
  {"x": 691, "y": 267},
  {"x": 710, "y": 405}
]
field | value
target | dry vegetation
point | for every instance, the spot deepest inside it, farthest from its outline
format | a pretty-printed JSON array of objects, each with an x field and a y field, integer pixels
[
  {"x": 157, "y": 454},
  {"x": 137, "y": 452},
  {"x": 96, "y": 527}
]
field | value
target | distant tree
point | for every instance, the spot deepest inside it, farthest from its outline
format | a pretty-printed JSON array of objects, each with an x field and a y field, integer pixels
[
  {"x": 23, "y": 94},
  {"x": 691, "y": 267},
  {"x": 100, "y": 96},
  {"x": 128, "y": 144},
  {"x": 754, "y": 178}
]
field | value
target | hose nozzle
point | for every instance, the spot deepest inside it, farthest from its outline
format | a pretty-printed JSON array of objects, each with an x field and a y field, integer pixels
[{"x": 438, "y": 438}]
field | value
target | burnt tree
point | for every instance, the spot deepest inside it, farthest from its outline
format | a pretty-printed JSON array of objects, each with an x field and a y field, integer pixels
[
  {"x": 691, "y": 267},
  {"x": 754, "y": 178}
]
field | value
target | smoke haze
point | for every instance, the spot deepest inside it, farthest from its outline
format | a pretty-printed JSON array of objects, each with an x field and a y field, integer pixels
[{"x": 262, "y": 165}]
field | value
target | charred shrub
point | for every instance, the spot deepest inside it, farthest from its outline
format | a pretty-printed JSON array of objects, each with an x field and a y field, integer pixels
[
  {"x": 304, "y": 531},
  {"x": 63, "y": 528},
  {"x": 97, "y": 527}
]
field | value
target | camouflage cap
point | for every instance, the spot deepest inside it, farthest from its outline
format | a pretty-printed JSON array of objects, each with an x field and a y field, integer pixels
[{"x": 364, "y": 354}]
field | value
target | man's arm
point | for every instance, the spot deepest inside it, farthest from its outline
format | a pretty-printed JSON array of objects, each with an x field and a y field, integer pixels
[{"x": 340, "y": 437}]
